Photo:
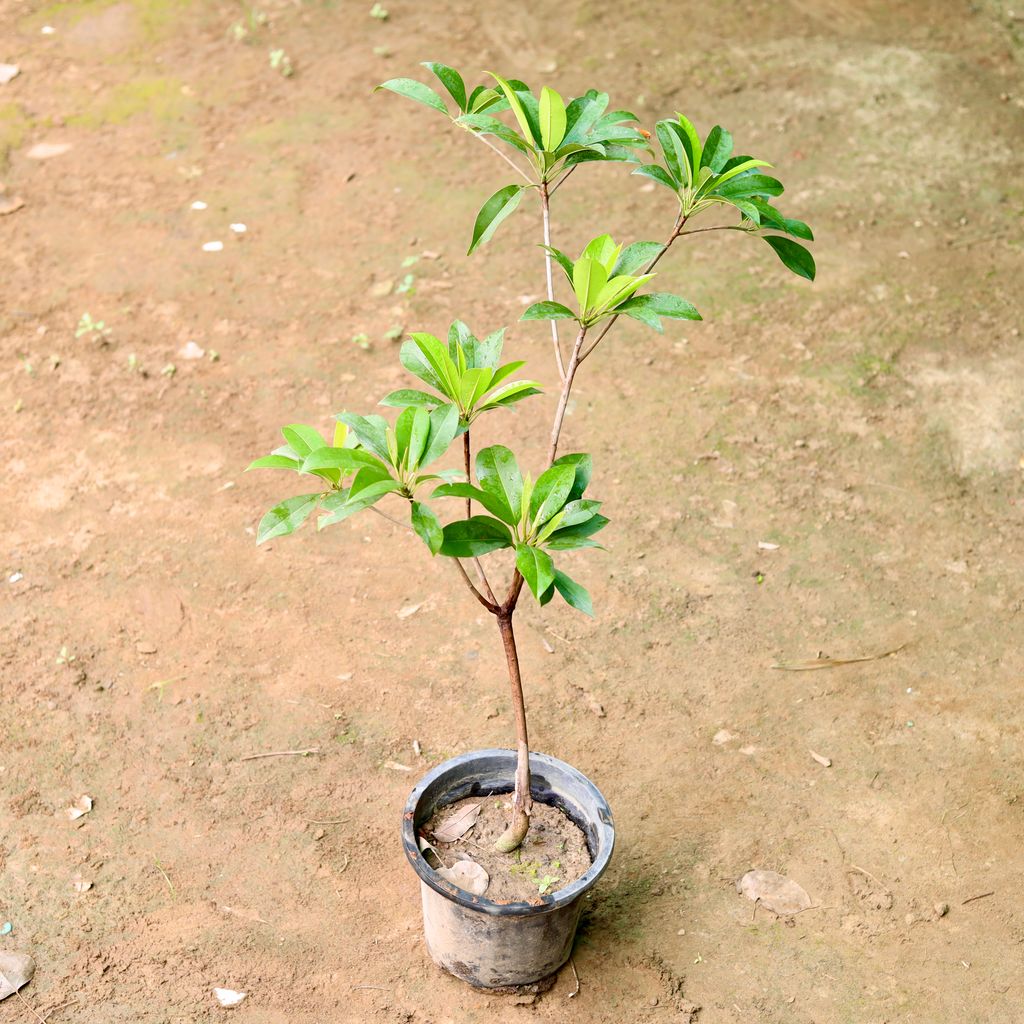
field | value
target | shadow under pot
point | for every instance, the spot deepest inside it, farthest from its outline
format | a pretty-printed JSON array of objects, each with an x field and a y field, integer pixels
[{"x": 500, "y": 945}]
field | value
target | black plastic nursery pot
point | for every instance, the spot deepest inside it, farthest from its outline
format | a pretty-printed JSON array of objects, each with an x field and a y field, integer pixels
[{"x": 499, "y": 945}]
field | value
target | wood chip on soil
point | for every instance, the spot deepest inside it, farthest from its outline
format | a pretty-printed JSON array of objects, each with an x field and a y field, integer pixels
[
  {"x": 778, "y": 893},
  {"x": 825, "y": 762},
  {"x": 457, "y": 824}
]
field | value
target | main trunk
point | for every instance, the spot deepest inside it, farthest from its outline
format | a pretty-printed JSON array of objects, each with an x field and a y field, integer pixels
[{"x": 522, "y": 803}]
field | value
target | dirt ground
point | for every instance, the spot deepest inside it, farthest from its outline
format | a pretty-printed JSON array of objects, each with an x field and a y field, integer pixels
[{"x": 870, "y": 425}]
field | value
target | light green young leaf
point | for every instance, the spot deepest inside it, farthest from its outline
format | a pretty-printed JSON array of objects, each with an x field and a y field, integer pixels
[
  {"x": 588, "y": 278},
  {"x": 444, "y": 425},
  {"x": 603, "y": 250},
  {"x": 371, "y": 431},
  {"x": 552, "y": 119},
  {"x": 406, "y": 396},
  {"x": 273, "y": 462},
  {"x": 515, "y": 106},
  {"x": 550, "y": 493},
  {"x": 498, "y": 473},
  {"x": 690, "y": 141},
  {"x": 303, "y": 439},
  {"x": 493, "y": 212}
]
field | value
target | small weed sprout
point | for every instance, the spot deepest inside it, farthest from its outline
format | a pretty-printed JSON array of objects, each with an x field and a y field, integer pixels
[
  {"x": 378, "y": 12},
  {"x": 97, "y": 328},
  {"x": 282, "y": 63}
]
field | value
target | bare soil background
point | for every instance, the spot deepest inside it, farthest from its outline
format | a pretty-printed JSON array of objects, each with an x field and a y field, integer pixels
[{"x": 870, "y": 425}]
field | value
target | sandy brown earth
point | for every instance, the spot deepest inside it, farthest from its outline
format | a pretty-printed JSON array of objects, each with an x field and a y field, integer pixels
[{"x": 870, "y": 425}]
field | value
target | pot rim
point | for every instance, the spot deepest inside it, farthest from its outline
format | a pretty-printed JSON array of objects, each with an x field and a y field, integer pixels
[{"x": 553, "y": 901}]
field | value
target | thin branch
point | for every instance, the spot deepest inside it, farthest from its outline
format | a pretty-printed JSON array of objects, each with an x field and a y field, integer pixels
[
  {"x": 504, "y": 156},
  {"x": 563, "y": 399},
  {"x": 491, "y": 606},
  {"x": 545, "y": 206},
  {"x": 481, "y": 575},
  {"x": 282, "y": 753},
  {"x": 720, "y": 227},
  {"x": 554, "y": 189}
]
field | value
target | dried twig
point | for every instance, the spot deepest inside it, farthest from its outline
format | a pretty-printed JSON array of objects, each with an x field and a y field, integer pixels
[
  {"x": 576, "y": 991},
  {"x": 826, "y": 662},
  {"x": 333, "y": 821},
  {"x": 62, "y": 1006},
  {"x": 281, "y": 753},
  {"x": 980, "y": 896}
]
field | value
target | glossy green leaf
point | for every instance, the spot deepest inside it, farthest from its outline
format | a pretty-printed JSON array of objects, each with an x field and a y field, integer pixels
[
  {"x": 435, "y": 354},
  {"x": 493, "y": 212},
  {"x": 636, "y": 257},
  {"x": 418, "y": 435},
  {"x": 717, "y": 149},
  {"x": 488, "y": 352},
  {"x": 689, "y": 140},
  {"x": 444, "y": 425},
  {"x": 770, "y": 217},
  {"x": 603, "y": 250},
  {"x": 413, "y": 90},
  {"x": 745, "y": 167},
  {"x": 550, "y": 493},
  {"x": 370, "y": 430},
  {"x": 427, "y": 526},
  {"x": 663, "y": 304},
  {"x": 496, "y": 506},
  {"x": 748, "y": 185},
  {"x": 368, "y": 495},
  {"x": 579, "y": 511},
  {"x": 498, "y": 473},
  {"x": 450, "y": 79},
  {"x": 658, "y": 174},
  {"x": 572, "y": 538},
  {"x": 273, "y": 462},
  {"x": 467, "y": 538},
  {"x": 287, "y": 517},
  {"x": 548, "y": 311},
  {"x": 620, "y": 288},
  {"x": 552, "y": 119},
  {"x": 484, "y": 124},
  {"x": 573, "y": 593},
  {"x": 303, "y": 439},
  {"x": 677, "y": 161},
  {"x": 793, "y": 255},
  {"x": 582, "y": 115},
  {"x": 536, "y": 567},
  {"x": 405, "y": 397},
  {"x": 348, "y": 460},
  {"x": 583, "y": 467},
  {"x": 511, "y": 393},
  {"x": 561, "y": 259}
]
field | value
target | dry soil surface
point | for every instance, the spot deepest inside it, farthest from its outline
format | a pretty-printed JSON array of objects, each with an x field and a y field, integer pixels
[{"x": 869, "y": 427}]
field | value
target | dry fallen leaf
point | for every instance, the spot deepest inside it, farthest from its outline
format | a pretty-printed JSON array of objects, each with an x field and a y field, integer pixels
[
  {"x": 468, "y": 875},
  {"x": 457, "y": 824},
  {"x": 410, "y": 609},
  {"x": 16, "y": 969},
  {"x": 825, "y": 762},
  {"x": 396, "y": 767},
  {"x": 83, "y": 805},
  {"x": 778, "y": 893},
  {"x": 228, "y": 996},
  {"x": 79, "y": 884}
]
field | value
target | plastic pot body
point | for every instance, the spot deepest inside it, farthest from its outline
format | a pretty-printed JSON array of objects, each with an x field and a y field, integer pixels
[{"x": 501, "y": 945}]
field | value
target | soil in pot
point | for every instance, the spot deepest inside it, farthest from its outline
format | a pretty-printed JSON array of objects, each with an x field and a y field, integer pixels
[{"x": 553, "y": 856}]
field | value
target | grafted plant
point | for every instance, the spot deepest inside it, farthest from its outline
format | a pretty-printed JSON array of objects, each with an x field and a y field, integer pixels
[{"x": 544, "y": 139}]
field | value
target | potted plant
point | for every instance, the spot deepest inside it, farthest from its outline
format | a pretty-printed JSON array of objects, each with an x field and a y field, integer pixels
[{"x": 490, "y": 506}]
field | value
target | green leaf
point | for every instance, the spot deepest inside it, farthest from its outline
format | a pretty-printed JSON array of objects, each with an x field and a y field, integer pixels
[
  {"x": 748, "y": 185},
  {"x": 287, "y": 517},
  {"x": 273, "y": 462},
  {"x": 536, "y": 567},
  {"x": 418, "y": 435},
  {"x": 467, "y": 538},
  {"x": 450, "y": 79},
  {"x": 677, "y": 161},
  {"x": 444, "y": 425},
  {"x": 498, "y": 474},
  {"x": 641, "y": 313},
  {"x": 371, "y": 431},
  {"x": 427, "y": 526},
  {"x": 548, "y": 311},
  {"x": 482, "y": 98},
  {"x": 583, "y": 465},
  {"x": 493, "y": 212},
  {"x": 488, "y": 351},
  {"x": 511, "y": 393},
  {"x": 636, "y": 256},
  {"x": 582, "y": 115},
  {"x": 588, "y": 278},
  {"x": 793, "y": 255},
  {"x": 690, "y": 141},
  {"x": 717, "y": 149},
  {"x": 413, "y": 90},
  {"x": 349, "y": 506},
  {"x": 579, "y": 511},
  {"x": 770, "y": 217},
  {"x": 660, "y": 304},
  {"x": 550, "y": 493},
  {"x": 505, "y": 372},
  {"x": 658, "y": 174},
  {"x": 561, "y": 259},
  {"x": 303, "y": 439},
  {"x": 411, "y": 357},
  {"x": 484, "y": 124},
  {"x": 405, "y": 397},
  {"x": 620, "y": 288},
  {"x": 515, "y": 106},
  {"x": 734, "y": 169},
  {"x": 603, "y": 250},
  {"x": 348, "y": 460},
  {"x": 437, "y": 358},
  {"x": 573, "y": 593},
  {"x": 495, "y": 505},
  {"x": 572, "y": 538},
  {"x": 552, "y": 119},
  {"x": 371, "y": 476}
]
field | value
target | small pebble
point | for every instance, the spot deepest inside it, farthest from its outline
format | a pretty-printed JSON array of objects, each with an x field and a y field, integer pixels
[
  {"x": 212, "y": 246},
  {"x": 199, "y": 205},
  {"x": 144, "y": 647},
  {"x": 239, "y": 229},
  {"x": 941, "y": 909},
  {"x": 15, "y": 577},
  {"x": 47, "y": 30}
]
